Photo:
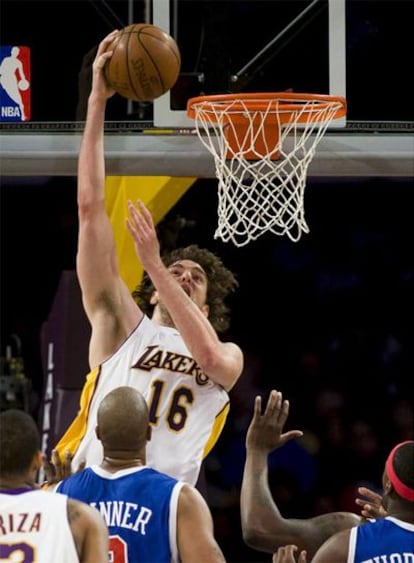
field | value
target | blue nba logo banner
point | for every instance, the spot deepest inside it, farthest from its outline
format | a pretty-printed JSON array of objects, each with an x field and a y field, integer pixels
[{"x": 15, "y": 83}]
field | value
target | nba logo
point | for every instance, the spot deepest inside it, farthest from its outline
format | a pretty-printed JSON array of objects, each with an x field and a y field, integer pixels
[{"x": 14, "y": 83}]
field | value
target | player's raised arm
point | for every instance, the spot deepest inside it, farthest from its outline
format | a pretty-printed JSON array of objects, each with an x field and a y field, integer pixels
[
  {"x": 264, "y": 527},
  {"x": 183, "y": 289},
  {"x": 109, "y": 306}
]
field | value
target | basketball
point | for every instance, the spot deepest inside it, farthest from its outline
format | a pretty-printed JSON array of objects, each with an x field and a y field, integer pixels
[
  {"x": 145, "y": 62},
  {"x": 23, "y": 85}
]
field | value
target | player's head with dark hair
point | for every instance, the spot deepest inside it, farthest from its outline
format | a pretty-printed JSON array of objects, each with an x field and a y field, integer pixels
[
  {"x": 19, "y": 443},
  {"x": 123, "y": 423},
  {"x": 399, "y": 472},
  {"x": 220, "y": 283}
]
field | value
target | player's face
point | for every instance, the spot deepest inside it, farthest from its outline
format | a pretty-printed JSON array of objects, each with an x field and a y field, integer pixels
[{"x": 192, "y": 279}]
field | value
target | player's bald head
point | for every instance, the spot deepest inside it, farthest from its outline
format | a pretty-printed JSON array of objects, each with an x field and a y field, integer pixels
[{"x": 123, "y": 420}]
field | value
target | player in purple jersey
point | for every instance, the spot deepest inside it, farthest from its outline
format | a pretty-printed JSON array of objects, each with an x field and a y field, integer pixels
[
  {"x": 151, "y": 517},
  {"x": 36, "y": 525}
]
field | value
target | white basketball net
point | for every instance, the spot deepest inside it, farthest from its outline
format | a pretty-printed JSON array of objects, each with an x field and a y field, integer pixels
[{"x": 266, "y": 194}]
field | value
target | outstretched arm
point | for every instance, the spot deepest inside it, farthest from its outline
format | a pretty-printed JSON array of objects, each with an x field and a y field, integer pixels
[
  {"x": 195, "y": 534},
  {"x": 221, "y": 361},
  {"x": 263, "y": 526},
  {"x": 262, "y": 523},
  {"x": 108, "y": 303}
]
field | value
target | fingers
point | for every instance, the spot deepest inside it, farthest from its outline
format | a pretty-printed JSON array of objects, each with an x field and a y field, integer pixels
[
  {"x": 273, "y": 402},
  {"x": 55, "y": 460},
  {"x": 371, "y": 505},
  {"x": 61, "y": 470},
  {"x": 146, "y": 213},
  {"x": 106, "y": 41},
  {"x": 67, "y": 464},
  {"x": 102, "y": 54},
  {"x": 49, "y": 469},
  {"x": 277, "y": 408},
  {"x": 369, "y": 494},
  {"x": 141, "y": 219},
  {"x": 257, "y": 407},
  {"x": 284, "y": 412},
  {"x": 286, "y": 554}
]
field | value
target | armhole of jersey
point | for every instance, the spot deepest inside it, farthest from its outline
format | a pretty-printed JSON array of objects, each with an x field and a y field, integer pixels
[
  {"x": 173, "y": 521},
  {"x": 352, "y": 544}
]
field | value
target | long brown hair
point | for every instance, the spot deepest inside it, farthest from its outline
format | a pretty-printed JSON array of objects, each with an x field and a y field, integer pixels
[{"x": 220, "y": 283}]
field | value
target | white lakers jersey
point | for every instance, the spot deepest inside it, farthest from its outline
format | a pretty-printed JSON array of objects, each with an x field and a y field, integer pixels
[
  {"x": 34, "y": 527},
  {"x": 187, "y": 410}
]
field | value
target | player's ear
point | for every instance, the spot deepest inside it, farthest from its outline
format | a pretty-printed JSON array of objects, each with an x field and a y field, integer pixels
[
  {"x": 205, "y": 309},
  {"x": 154, "y": 298},
  {"x": 387, "y": 485}
]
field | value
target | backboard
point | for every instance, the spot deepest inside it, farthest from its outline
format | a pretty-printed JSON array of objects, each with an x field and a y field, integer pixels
[
  {"x": 357, "y": 48},
  {"x": 351, "y": 48},
  {"x": 252, "y": 46}
]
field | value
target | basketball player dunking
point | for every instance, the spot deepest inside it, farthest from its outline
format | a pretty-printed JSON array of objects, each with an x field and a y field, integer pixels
[{"x": 163, "y": 339}]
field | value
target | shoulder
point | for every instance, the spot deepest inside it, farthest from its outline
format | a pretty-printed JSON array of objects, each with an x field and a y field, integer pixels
[
  {"x": 335, "y": 522},
  {"x": 84, "y": 517},
  {"x": 156, "y": 481},
  {"x": 89, "y": 531},
  {"x": 190, "y": 498},
  {"x": 315, "y": 531},
  {"x": 335, "y": 548}
]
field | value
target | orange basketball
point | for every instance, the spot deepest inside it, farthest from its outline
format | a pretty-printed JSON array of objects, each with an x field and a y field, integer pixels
[{"x": 145, "y": 62}]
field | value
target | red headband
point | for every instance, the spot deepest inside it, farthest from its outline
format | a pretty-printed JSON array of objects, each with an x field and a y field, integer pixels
[{"x": 403, "y": 490}]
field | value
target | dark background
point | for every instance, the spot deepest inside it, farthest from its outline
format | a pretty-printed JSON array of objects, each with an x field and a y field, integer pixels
[{"x": 327, "y": 320}]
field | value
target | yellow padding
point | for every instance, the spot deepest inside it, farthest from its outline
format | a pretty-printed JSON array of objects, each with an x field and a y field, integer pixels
[{"x": 159, "y": 193}]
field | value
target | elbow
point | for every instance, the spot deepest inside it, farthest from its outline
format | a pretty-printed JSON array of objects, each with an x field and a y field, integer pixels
[
  {"x": 252, "y": 538},
  {"x": 220, "y": 366},
  {"x": 209, "y": 361},
  {"x": 213, "y": 366},
  {"x": 249, "y": 536},
  {"x": 89, "y": 208}
]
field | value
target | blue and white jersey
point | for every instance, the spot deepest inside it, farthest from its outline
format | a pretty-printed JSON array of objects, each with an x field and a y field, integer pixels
[
  {"x": 386, "y": 540},
  {"x": 139, "y": 506}
]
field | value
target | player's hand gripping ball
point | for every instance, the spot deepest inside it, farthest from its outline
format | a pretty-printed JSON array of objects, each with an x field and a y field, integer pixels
[{"x": 145, "y": 62}]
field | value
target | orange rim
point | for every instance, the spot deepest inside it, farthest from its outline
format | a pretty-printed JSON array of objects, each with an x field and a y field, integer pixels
[{"x": 290, "y": 103}]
